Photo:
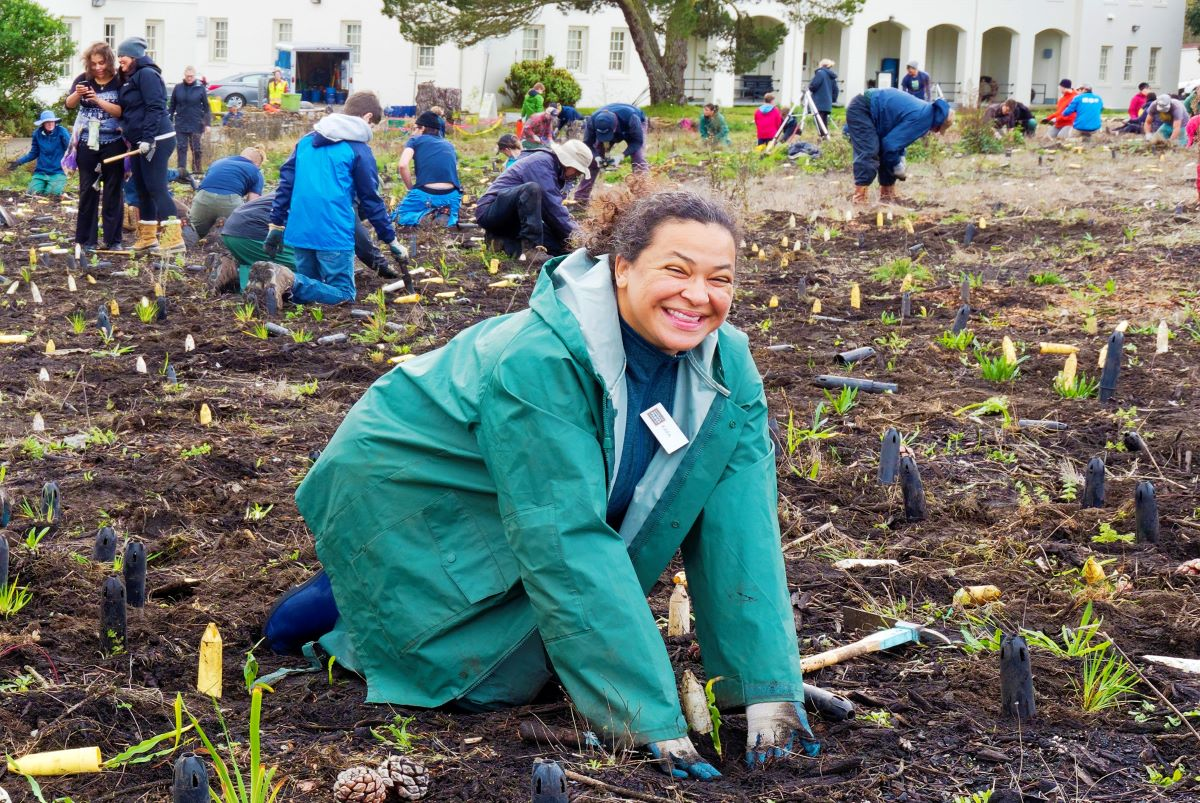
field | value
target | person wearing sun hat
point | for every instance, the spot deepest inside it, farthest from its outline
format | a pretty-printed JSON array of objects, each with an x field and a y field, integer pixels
[
  {"x": 49, "y": 146},
  {"x": 523, "y": 208}
]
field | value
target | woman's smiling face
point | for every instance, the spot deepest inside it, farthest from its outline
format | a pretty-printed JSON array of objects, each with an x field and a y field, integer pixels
[{"x": 680, "y": 288}]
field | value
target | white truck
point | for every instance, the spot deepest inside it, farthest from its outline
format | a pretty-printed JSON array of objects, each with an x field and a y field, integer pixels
[{"x": 318, "y": 72}]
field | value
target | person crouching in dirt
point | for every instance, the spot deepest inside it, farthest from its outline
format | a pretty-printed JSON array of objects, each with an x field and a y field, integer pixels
[
  {"x": 881, "y": 124},
  {"x": 436, "y": 189},
  {"x": 228, "y": 183},
  {"x": 1166, "y": 121},
  {"x": 314, "y": 211},
  {"x": 1016, "y": 115},
  {"x": 714, "y": 131},
  {"x": 522, "y": 211},
  {"x": 47, "y": 147},
  {"x": 243, "y": 234},
  {"x": 492, "y": 514},
  {"x": 608, "y": 125}
]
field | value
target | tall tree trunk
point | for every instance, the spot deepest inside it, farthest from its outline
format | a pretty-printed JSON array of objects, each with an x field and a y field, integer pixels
[{"x": 664, "y": 71}]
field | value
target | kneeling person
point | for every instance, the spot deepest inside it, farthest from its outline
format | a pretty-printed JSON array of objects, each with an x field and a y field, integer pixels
[
  {"x": 436, "y": 188},
  {"x": 525, "y": 203},
  {"x": 227, "y": 184}
]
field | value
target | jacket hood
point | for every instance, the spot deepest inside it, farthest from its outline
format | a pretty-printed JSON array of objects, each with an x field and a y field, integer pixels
[
  {"x": 766, "y": 108},
  {"x": 941, "y": 110},
  {"x": 146, "y": 61},
  {"x": 343, "y": 128},
  {"x": 829, "y": 70}
]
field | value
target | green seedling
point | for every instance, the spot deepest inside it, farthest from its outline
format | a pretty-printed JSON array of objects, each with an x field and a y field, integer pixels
[
  {"x": 797, "y": 436},
  {"x": 1081, "y": 387},
  {"x": 1045, "y": 278},
  {"x": 974, "y": 280},
  {"x": 998, "y": 368},
  {"x": 147, "y": 311},
  {"x": 234, "y": 786},
  {"x": 1107, "y": 679},
  {"x": 243, "y": 313},
  {"x": 893, "y": 342},
  {"x": 317, "y": 313},
  {"x": 843, "y": 402},
  {"x": 257, "y": 512},
  {"x": 897, "y": 269},
  {"x": 956, "y": 342},
  {"x": 379, "y": 299},
  {"x": 881, "y": 718},
  {"x": 995, "y": 405},
  {"x": 395, "y": 735},
  {"x": 195, "y": 451},
  {"x": 1163, "y": 780},
  {"x": 975, "y": 797},
  {"x": 33, "y": 538},
  {"x": 1108, "y": 535},
  {"x": 14, "y": 597},
  {"x": 1076, "y": 642},
  {"x": 715, "y": 713},
  {"x": 306, "y": 388},
  {"x": 78, "y": 322},
  {"x": 301, "y": 336},
  {"x": 27, "y": 274},
  {"x": 889, "y": 318}
]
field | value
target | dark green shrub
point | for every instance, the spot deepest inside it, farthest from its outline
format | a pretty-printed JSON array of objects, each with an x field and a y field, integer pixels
[
  {"x": 34, "y": 43},
  {"x": 561, "y": 86},
  {"x": 976, "y": 133}
]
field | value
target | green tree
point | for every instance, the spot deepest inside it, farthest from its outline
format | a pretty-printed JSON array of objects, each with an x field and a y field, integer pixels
[
  {"x": 1192, "y": 17},
  {"x": 35, "y": 43},
  {"x": 660, "y": 29}
]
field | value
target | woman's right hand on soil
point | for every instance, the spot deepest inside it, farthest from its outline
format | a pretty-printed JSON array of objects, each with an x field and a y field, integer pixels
[{"x": 678, "y": 758}]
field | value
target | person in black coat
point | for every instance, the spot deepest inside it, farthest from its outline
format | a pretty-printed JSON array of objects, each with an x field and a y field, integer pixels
[
  {"x": 147, "y": 126},
  {"x": 191, "y": 115}
]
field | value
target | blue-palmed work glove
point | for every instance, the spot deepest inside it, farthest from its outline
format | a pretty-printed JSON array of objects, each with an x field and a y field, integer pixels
[
  {"x": 274, "y": 241},
  {"x": 679, "y": 759},
  {"x": 399, "y": 252},
  {"x": 775, "y": 730}
]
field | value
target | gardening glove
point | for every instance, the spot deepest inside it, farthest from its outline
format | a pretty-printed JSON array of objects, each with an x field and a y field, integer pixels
[
  {"x": 772, "y": 730},
  {"x": 679, "y": 759},
  {"x": 146, "y": 149},
  {"x": 274, "y": 241},
  {"x": 399, "y": 252},
  {"x": 13, "y": 165},
  {"x": 900, "y": 171}
]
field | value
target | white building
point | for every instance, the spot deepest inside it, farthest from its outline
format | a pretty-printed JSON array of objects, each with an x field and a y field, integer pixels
[{"x": 1027, "y": 46}]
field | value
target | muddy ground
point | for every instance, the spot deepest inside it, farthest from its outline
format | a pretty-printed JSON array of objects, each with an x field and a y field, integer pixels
[{"x": 929, "y": 726}]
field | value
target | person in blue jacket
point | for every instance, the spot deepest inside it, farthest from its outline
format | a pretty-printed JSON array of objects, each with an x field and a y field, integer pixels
[
  {"x": 881, "y": 124},
  {"x": 435, "y": 189},
  {"x": 523, "y": 208},
  {"x": 1088, "y": 108},
  {"x": 228, "y": 183},
  {"x": 314, "y": 211},
  {"x": 608, "y": 125},
  {"x": 146, "y": 125},
  {"x": 49, "y": 146},
  {"x": 192, "y": 116},
  {"x": 570, "y": 121},
  {"x": 915, "y": 81},
  {"x": 824, "y": 89}
]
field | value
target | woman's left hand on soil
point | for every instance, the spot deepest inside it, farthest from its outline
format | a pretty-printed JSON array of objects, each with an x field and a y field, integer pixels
[{"x": 773, "y": 729}]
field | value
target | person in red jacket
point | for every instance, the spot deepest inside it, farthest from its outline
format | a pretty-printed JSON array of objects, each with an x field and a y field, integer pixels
[
  {"x": 767, "y": 119},
  {"x": 1062, "y": 122},
  {"x": 1138, "y": 101}
]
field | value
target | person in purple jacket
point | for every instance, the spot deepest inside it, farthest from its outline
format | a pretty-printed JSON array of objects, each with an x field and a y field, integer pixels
[{"x": 523, "y": 208}]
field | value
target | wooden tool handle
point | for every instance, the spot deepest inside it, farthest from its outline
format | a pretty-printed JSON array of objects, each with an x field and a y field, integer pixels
[
  {"x": 120, "y": 156},
  {"x": 872, "y": 643}
]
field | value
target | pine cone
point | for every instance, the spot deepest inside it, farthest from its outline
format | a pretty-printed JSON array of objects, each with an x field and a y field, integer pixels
[
  {"x": 360, "y": 785},
  {"x": 407, "y": 778}
]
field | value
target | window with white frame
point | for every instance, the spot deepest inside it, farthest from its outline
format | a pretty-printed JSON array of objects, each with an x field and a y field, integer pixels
[
  {"x": 616, "y": 50},
  {"x": 69, "y": 66},
  {"x": 1130, "y": 53},
  {"x": 218, "y": 42},
  {"x": 112, "y": 32},
  {"x": 154, "y": 32},
  {"x": 576, "y": 49},
  {"x": 281, "y": 31},
  {"x": 352, "y": 38},
  {"x": 531, "y": 43},
  {"x": 426, "y": 56},
  {"x": 1105, "y": 55},
  {"x": 1152, "y": 68}
]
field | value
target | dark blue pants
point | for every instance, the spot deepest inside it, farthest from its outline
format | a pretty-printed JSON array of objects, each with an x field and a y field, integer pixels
[
  {"x": 150, "y": 178},
  {"x": 517, "y": 214},
  {"x": 860, "y": 127}
]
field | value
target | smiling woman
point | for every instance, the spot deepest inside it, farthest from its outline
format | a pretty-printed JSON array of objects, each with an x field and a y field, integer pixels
[{"x": 492, "y": 514}]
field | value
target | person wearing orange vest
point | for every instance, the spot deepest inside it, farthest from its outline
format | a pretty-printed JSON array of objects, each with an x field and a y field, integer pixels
[{"x": 1062, "y": 122}]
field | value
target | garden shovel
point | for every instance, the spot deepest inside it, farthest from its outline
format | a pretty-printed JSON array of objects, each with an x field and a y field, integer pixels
[{"x": 895, "y": 633}]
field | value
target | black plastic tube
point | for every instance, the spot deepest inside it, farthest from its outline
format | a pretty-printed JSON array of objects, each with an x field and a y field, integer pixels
[
  {"x": 1146, "y": 507},
  {"x": 104, "y": 549},
  {"x": 914, "y": 491},
  {"x": 906, "y": 304},
  {"x": 854, "y": 355},
  {"x": 134, "y": 567},
  {"x": 1112, "y": 366},
  {"x": 549, "y": 783},
  {"x": 160, "y": 308},
  {"x": 834, "y": 707},
  {"x": 889, "y": 456},
  {"x": 103, "y": 322},
  {"x": 1016, "y": 679},
  {"x": 969, "y": 235},
  {"x": 51, "y": 504},
  {"x": 172, "y": 378},
  {"x": 3, "y": 561},
  {"x": 1041, "y": 423},
  {"x": 1134, "y": 442},
  {"x": 5, "y": 509},
  {"x": 964, "y": 292},
  {"x": 865, "y": 385},
  {"x": 961, "y": 318},
  {"x": 1093, "y": 484},
  {"x": 112, "y": 616},
  {"x": 191, "y": 780},
  {"x": 802, "y": 287}
]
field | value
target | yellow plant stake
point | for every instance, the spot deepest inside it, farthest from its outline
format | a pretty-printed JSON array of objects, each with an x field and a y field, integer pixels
[
  {"x": 37, "y": 294},
  {"x": 158, "y": 290},
  {"x": 32, "y": 257},
  {"x": 879, "y": 220},
  {"x": 908, "y": 226},
  {"x": 1009, "y": 350},
  {"x": 855, "y": 296},
  {"x": 1103, "y": 356},
  {"x": 1070, "y": 368},
  {"x": 1160, "y": 345},
  {"x": 1091, "y": 325},
  {"x": 1057, "y": 348},
  {"x": 783, "y": 242},
  {"x": 208, "y": 676},
  {"x": 412, "y": 298},
  {"x": 71, "y": 283},
  {"x": 792, "y": 222},
  {"x": 907, "y": 283},
  {"x": 774, "y": 302},
  {"x": 762, "y": 255},
  {"x": 1092, "y": 571},
  {"x": 57, "y": 762},
  {"x": 695, "y": 707},
  {"x": 783, "y": 262},
  {"x": 679, "y": 612},
  {"x": 205, "y": 415},
  {"x": 114, "y": 309},
  {"x": 49, "y": 346},
  {"x": 816, "y": 307},
  {"x": 982, "y": 223},
  {"x": 494, "y": 266}
]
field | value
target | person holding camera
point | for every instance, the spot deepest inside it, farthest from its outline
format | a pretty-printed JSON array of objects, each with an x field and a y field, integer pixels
[{"x": 95, "y": 93}]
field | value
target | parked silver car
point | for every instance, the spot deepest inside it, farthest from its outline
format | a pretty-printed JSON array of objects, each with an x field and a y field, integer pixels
[{"x": 240, "y": 89}]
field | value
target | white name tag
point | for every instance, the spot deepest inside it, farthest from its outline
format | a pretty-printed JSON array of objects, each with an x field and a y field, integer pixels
[{"x": 665, "y": 430}]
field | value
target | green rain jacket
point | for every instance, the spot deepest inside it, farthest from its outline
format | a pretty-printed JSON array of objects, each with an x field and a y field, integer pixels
[{"x": 459, "y": 511}]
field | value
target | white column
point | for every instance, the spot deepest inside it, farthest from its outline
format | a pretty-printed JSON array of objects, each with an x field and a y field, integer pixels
[
  {"x": 854, "y": 55},
  {"x": 913, "y": 43},
  {"x": 974, "y": 66},
  {"x": 791, "y": 86},
  {"x": 722, "y": 82},
  {"x": 1021, "y": 54}
]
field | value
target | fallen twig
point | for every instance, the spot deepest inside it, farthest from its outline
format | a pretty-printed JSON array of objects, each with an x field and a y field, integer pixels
[{"x": 616, "y": 790}]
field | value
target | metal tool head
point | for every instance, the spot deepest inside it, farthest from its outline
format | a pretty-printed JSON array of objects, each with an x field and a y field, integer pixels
[{"x": 858, "y": 619}]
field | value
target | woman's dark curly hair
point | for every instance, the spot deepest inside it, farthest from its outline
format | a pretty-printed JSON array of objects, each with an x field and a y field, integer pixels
[{"x": 622, "y": 220}]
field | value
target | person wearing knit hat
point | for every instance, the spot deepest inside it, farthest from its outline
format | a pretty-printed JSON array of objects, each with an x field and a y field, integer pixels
[
  {"x": 435, "y": 190},
  {"x": 48, "y": 146},
  {"x": 915, "y": 81},
  {"x": 147, "y": 125},
  {"x": 1062, "y": 121}
]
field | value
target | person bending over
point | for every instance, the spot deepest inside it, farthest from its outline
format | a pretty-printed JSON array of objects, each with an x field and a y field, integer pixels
[{"x": 881, "y": 124}]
